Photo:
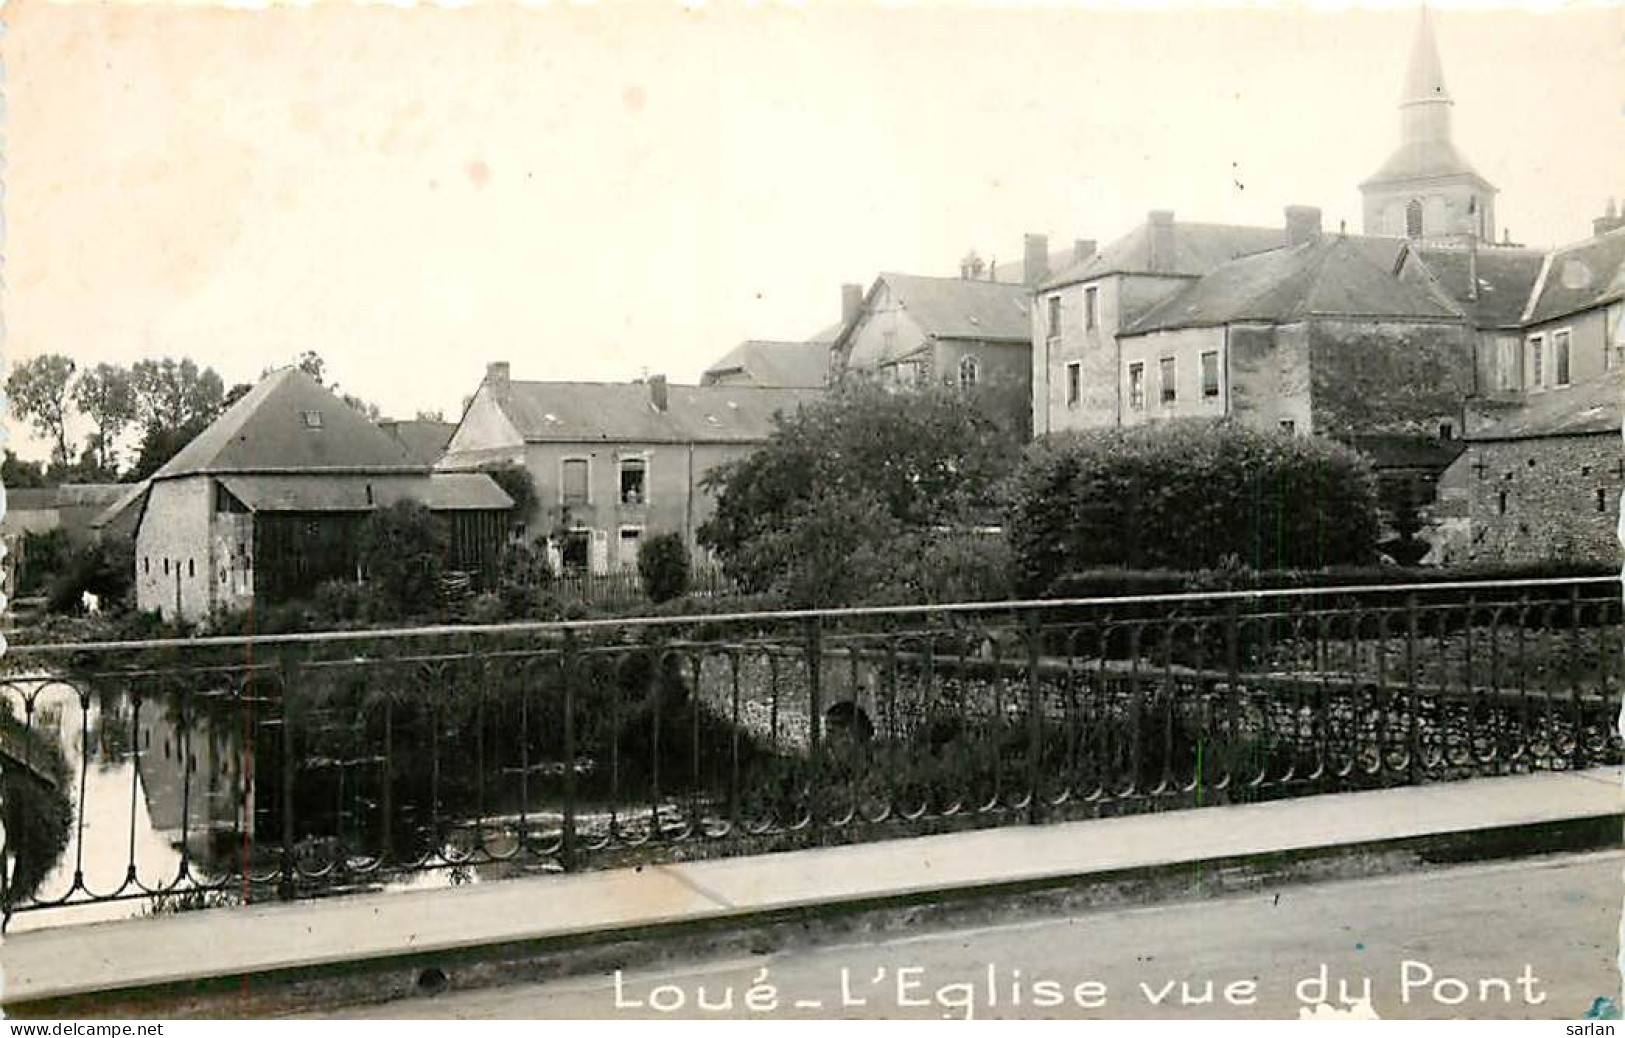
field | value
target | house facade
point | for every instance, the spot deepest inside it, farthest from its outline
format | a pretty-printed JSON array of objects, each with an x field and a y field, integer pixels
[
  {"x": 612, "y": 463},
  {"x": 266, "y": 503},
  {"x": 915, "y": 331}
]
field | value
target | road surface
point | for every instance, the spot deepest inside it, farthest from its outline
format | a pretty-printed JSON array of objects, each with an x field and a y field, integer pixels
[{"x": 1530, "y": 939}]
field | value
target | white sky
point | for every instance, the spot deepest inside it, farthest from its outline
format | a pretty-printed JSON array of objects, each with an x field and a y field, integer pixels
[{"x": 589, "y": 192}]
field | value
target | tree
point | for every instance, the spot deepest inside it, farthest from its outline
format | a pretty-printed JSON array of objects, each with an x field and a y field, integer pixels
[
  {"x": 312, "y": 364},
  {"x": 663, "y": 565},
  {"x": 39, "y": 391},
  {"x": 858, "y": 469},
  {"x": 403, "y": 552},
  {"x": 106, "y": 395},
  {"x": 436, "y": 415},
  {"x": 171, "y": 394},
  {"x": 15, "y": 472}
]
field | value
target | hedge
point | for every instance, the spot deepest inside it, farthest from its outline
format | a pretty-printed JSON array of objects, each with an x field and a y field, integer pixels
[{"x": 1189, "y": 496}]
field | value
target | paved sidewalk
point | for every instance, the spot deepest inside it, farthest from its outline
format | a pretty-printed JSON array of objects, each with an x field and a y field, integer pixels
[{"x": 262, "y": 939}]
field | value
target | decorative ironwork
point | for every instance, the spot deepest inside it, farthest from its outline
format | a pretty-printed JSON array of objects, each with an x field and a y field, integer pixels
[{"x": 171, "y": 774}]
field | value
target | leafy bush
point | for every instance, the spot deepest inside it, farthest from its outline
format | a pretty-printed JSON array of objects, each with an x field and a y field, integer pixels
[
  {"x": 1185, "y": 495},
  {"x": 485, "y": 608},
  {"x": 663, "y": 565},
  {"x": 344, "y": 601},
  {"x": 403, "y": 553},
  {"x": 45, "y": 557},
  {"x": 523, "y": 579},
  {"x": 815, "y": 513},
  {"x": 517, "y": 482}
]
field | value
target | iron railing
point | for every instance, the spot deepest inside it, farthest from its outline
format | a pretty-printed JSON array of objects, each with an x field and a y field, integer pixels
[{"x": 167, "y": 774}]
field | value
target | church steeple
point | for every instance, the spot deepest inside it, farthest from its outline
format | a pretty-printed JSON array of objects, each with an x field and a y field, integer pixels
[{"x": 1426, "y": 189}]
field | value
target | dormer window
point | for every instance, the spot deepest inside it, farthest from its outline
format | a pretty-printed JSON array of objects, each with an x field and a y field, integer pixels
[{"x": 313, "y": 419}]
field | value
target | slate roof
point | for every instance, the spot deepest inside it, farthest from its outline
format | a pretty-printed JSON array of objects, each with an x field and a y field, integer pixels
[
  {"x": 424, "y": 439},
  {"x": 1332, "y": 276},
  {"x": 30, "y": 499},
  {"x": 360, "y": 493},
  {"x": 1399, "y": 451},
  {"x": 623, "y": 412},
  {"x": 1586, "y": 408},
  {"x": 1198, "y": 248},
  {"x": 1506, "y": 276},
  {"x": 957, "y": 308},
  {"x": 67, "y": 495},
  {"x": 1580, "y": 276},
  {"x": 1415, "y": 160},
  {"x": 266, "y": 431},
  {"x": 133, "y": 494},
  {"x": 779, "y": 365}
]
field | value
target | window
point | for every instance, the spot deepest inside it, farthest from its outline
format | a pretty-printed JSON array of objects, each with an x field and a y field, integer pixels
[
  {"x": 1210, "y": 373},
  {"x": 1288, "y": 426},
  {"x": 146, "y": 564},
  {"x": 1091, "y": 307},
  {"x": 1613, "y": 355},
  {"x": 1501, "y": 502},
  {"x": 1074, "y": 383},
  {"x": 969, "y": 370},
  {"x": 1535, "y": 351},
  {"x": 573, "y": 485},
  {"x": 1447, "y": 431},
  {"x": 1560, "y": 357},
  {"x": 634, "y": 481},
  {"x": 631, "y": 542},
  {"x": 191, "y": 569},
  {"x": 574, "y": 552},
  {"x": 1413, "y": 218},
  {"x": 1602, "y": 500},
  {"x": 313, "y": 419},
  {"x": 1136, "y": 386},
  {"x": 166, "y": 567},
  {"x": 1054, "y": 316},
  {"x": 1166, "y": 374}
]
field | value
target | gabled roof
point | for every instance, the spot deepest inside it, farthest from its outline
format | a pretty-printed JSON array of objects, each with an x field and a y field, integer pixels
[
  {"x": 268, "y": 431},
  {"x": 424, "y": 439},
  {"x": 132, "y": 496},
  {"x": 779, "y": 365},
  {"x": 624, "y": 412},
  {"x": 1505, "y": 278},
  {"x": 1332, "y": 276},
  {"x": 958, "y": 308},
  {"x": 1581, "y": 276},
  {"x": 1593, "y": 407},
  {"x": 1198, "y": 248}
]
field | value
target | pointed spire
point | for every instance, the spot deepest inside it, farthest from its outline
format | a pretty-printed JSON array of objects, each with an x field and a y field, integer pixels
[{"x": 1425, "y": 79}]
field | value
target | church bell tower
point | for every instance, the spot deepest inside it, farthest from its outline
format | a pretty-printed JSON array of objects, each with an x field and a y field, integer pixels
[{"x": 1426, "y": 190}]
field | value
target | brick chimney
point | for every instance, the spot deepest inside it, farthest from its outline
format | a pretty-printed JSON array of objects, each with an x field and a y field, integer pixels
[
  {"x": 657, "y": 393},
  {"x": 1035, "y": 260},
  {"x": 497, "y": 377},
  {"x": 1302, "y": 224},
  {"x": 1082, "y": 249},
  {"x": 851, "y": 303},
  {"x": 1160, "y": 238}
]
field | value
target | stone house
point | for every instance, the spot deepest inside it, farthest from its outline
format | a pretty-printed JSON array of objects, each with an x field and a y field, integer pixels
[
  {"x": 1317, "y": 336},
  {"x": 1078, "y": 313},
  {"x": 1543, "y": 483},
  {"x": 266, "y": 503},
  {"x": 912, "y": 331},
  {"x": 612, "y": 463}
]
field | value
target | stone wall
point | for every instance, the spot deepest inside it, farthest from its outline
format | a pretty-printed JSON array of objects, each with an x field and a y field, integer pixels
[
  {"x": 172, "y": 548},
  {"x": 1547, "y": 499}
]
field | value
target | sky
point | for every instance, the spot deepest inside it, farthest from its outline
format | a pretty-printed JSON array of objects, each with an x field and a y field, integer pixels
[{"x": 598, "y": 192}]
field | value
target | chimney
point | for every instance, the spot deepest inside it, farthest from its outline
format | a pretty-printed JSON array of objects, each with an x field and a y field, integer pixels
[
  {"x": 657, "y": 392},
  {"x": 851, "y": 304},
  {"x": 1035, "y": 260},
  {"x": 496, "y": 376},
  {"x": 1302, "y": 224},
  {"x": 1610, "y": 220},
  {"x": 1160, "y": 235},
  {"x": 1082, "y": 249},
  {"x": 971, "y": 267}
]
